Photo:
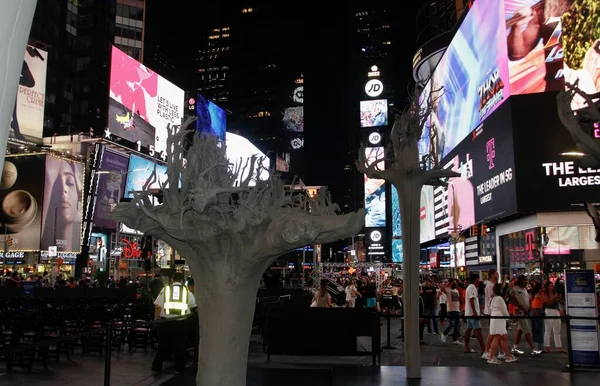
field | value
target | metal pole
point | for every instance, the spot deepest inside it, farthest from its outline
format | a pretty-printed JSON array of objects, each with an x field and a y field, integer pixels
[
  {"x": 107, "y": 358},
  {"x": 569, "y": 345},
  {"x": 303, "y": 262}
]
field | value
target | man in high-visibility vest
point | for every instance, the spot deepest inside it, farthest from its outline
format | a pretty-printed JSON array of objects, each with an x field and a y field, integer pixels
[{"x": 173, "y": 301}]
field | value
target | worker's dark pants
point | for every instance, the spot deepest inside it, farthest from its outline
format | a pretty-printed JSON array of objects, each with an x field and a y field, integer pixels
[{"x": 171, "y": 341}]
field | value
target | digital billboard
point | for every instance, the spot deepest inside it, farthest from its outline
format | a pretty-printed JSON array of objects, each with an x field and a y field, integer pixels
[
  {"x": 293, "y": 119},
  {"x": 396, "y": 215},
  {"x": 21, "y": 192},
  {"x": 240, "y": 152},
  {"x": 211, "y": 118},
  {"x": 98, "y": 246},
  {"x": 486, "y": 187},
  {"x": 550, "y": 42},
  {"x": 28, "y": 114},
  {"x": 374, "y": 191},
  {"x": 565, "y": 181},
  {"x": 471, "y": 79},
  {"x": 62, "y": 206},
  {"x": 427, "y": 214},
  {"x": 111, "y": 184},
  {"x": 397, "y": 252},
  {"x": 142, "y": 103},
  {"x": 373, "y": 113},
  {"x": 139, "y": 171}
]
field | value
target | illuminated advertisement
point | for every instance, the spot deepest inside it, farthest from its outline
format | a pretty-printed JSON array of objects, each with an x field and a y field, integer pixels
[
  {"x": 27, "y": 122},
  {"x": 21, "y": 192},
  {"x": 240, "y": 152},
  {"x": 472, "y": 76},
  {"x": 550, "y": 42},
  {"x": 376, "y": 243},
  {"x": 142, "y": 103},
  {"x": 566, "y": 182},
  {"x": 111, "y": 184},
  {"x": 98, "y": 246},
  {"x": 396, "y": 215},
  {"x": 373, "y": 113},
  {"x": 457, "y": 255},
  {"x": 62, "y": 206},
  {"x": 138, "y": 173},
  {"x": 486, "y": 187},
  {"x": 427, "y": 214},
  {"x": 374, "y": 191},
  {"x": 293, "y": 119},
  {"x": 397, "y": 252},
  {"x": 211, "y": 118}
]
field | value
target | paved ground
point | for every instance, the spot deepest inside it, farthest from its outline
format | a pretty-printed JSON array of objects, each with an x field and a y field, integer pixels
[{"x": 443, "y": 360}]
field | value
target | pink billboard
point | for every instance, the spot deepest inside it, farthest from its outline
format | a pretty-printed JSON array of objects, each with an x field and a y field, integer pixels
[{"x": 142, "y": 103}]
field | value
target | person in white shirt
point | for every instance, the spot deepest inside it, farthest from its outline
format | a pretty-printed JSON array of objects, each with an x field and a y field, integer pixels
[
  {"x": 489, "y": 293},
  {"x": 497, "y": 307},
  {"x": 473, "y": 313},
  {"x": 351, "y": 294}
]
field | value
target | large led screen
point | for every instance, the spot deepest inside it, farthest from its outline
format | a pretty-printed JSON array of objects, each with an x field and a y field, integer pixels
[
  {"x": 486, "y": 188},
  {"x": 374, "y": 191},
  {"x": 62, "y": 209},
  {"x": 471, "y": 79},
  {"x": 397, "y": 252},
  {"x": 373, "y": 113},
  {"x": 396, "y": 215},
  {"x": 240, "y": 152},
  {"x": 27, "y": 122},
  {"x": 550, "y": 42},
  {"x": 427, "y": 214},
  {"x": 293, "y": 119},
  {"x": 142, "y": 103},
  {"x": 140, "y": 169},
  {"x": 111, "y": 184},
  {"x": 21, "y": 192},
  {"x": 211, "y": 118}
]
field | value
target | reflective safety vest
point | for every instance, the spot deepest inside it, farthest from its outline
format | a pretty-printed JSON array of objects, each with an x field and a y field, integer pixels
[{"x": 176, "y": 299}]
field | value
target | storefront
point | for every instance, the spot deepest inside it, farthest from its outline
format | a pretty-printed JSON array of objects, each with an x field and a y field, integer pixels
[
  {"x": 480, "y": 254},
  {"x": 62, "y": 263},
  {"x": 547, "y": 243}
]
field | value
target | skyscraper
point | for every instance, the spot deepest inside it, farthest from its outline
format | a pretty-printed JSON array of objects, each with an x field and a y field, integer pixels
[
  {"x": 77, "y": 35},
  {"x": 249, "y": 62}
]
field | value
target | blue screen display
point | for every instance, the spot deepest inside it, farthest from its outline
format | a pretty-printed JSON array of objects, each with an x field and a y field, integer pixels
[{"x": 211, "y": 118}]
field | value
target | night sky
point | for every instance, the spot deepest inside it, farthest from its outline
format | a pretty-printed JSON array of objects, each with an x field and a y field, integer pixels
[{"x": 333, "y": 72}]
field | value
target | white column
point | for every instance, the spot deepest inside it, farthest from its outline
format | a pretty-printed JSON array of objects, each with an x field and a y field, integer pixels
[{"x": 15, "y": 24}]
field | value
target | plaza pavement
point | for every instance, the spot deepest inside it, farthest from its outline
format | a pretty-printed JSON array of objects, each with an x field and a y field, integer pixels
[{"x": 441, "y": 360}]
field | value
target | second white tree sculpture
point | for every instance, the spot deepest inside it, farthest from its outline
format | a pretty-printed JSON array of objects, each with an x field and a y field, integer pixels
[
  {"x": 229, "y": 233},
  {"x": 408, "y": 173}
]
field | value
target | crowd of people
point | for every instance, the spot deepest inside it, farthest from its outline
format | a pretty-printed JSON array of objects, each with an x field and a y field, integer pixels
[{"x": 519, "y": 303}]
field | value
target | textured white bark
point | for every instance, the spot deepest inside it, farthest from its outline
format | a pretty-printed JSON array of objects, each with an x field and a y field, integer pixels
[
  {"x": 409, "y": 194},
  {"x": 226, "y": 313},
  {"x": 15, "y": 23}
]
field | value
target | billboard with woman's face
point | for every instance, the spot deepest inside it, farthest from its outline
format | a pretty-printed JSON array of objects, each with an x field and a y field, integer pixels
[
  {"x": 21, "y": 202},
  {"x": 62, "y": 209}
]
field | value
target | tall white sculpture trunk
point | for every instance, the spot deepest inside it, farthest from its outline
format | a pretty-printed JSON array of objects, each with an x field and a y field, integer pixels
[
  {"x": 409, "y": 194},
  {"x": 229, "y": 232},
  {"x": 16, "y": 17},
  {"x": 408, "y": 171}
]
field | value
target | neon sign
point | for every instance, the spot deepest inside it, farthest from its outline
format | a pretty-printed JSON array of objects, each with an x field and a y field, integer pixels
[{"x": 131, "y": 250}]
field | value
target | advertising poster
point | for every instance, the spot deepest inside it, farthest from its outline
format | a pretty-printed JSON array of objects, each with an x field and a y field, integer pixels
[
  {"x": 21, "y": 192},
  {"x": 550, "y": 42},
  {"x": 376, "y": 242},
  {"x": 28, "y": 115},
  {"x": 374, "y": 191},
  {"x": 211, "y": 118},
  {"x": 396, "y": 215},
  {"x": 98, "y": 246},
  {"x": 397, "y": 252},
  {"x": 62, "y": 208},
  {"x": 427, "y": 214},
  {"x": 239, "y": 152},
  {"x": 142, "y": 103},
  {"x": 111, "y": 184},
  {"x": 565, "y": 181},
  {"x": 472, "y": 76},
  {"x": 373, "y": 113},
  {"x": 140, "y": 169},
  {"x": 486, "y": 189},
  {"x": 581, "y": 301}
]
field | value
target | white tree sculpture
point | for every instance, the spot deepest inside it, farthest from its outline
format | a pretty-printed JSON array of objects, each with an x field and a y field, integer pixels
[
  {"x": 572, "y": 120},
  {"x": 229, "y": 233},
  {"x": 408, "y": 173}
]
